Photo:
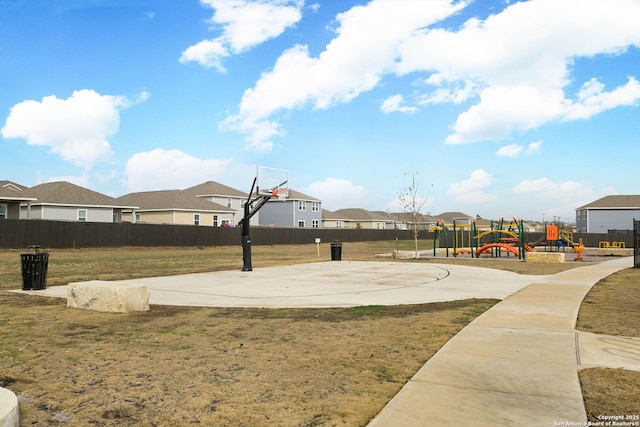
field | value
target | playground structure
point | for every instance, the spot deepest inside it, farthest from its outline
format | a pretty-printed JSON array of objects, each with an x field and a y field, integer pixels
[
  {"x": 507, "y": 238},
  {"x": 501, "y": 238}
]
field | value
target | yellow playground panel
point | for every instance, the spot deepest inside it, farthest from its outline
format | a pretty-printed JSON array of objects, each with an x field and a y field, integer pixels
[{"x": 605, "y": 247}]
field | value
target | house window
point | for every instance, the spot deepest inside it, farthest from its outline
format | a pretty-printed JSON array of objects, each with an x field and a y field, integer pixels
[
  {"x": 315, "y": 223},
  {"x": 302, "y": 206},
  {"x": 229, "y": 202},
  {"x": 315, "y": 207},
  {"x": 138, "y": 217},
  {"x": 339, "y": 224},
  {"x": 215, "y": 220},
  {"x": 82, "y": 215},
  {"x": 196, "y": 219},
  {"x": 301, "y": 223},
  {"x": 226, "y": 222},
  {"x": 3, "y": 211}
]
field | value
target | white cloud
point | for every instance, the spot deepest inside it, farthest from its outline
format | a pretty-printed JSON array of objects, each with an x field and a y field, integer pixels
[
  {"x": 76, "y": 128},
  {"x": 519, "y": 60},
  {"x": 472, "y": 189},
  {"x": 162, "y": 169},
  {"x": 511, "y": 150},
  {"x": 245, "y": 24},
  {"x": 560, "y": 199},
  {"x": 516, "y": 63},
  {"x": 533, "y": 148},
  {"x": 394, "y": 104},
  {"x": 593, "y": 99},
  {"x": 514, "y": 150},
  {"x": 353, "y": 62},
  {"x": 455, "y": 92},
  {"x": 546, "y": 188},
  {"x": 337, "y": 193}
]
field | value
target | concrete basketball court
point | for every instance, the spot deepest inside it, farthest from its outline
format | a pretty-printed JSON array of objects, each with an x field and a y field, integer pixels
[{"x": 327, "y": 284}]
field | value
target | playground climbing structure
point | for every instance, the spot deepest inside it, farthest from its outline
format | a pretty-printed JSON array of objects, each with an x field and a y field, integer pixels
[{"x": 502, "y": 237}]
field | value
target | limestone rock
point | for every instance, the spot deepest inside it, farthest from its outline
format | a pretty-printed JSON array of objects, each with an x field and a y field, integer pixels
[{"x": 108, "y": 297}]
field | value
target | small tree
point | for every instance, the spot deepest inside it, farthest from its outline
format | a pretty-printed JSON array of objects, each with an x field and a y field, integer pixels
[{"x": 412, "y": 204}]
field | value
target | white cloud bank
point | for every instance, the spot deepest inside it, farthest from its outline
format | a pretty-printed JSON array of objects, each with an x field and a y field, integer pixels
[
  {"x": 245, "y": 24},
  {"x": 162, "y": 169},
  {"x": 472, "y": 189},
  {"x": 76, "y": 128},
  {"x": 337, "y": 193},
  {"x": 515, "y": 65}
]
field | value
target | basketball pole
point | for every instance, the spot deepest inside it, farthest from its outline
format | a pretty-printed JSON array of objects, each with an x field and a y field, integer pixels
[{"x": 250, "y": 209}]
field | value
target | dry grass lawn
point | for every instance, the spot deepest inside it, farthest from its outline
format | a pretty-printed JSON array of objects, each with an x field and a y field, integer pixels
[
  {"x": 207, "y": 366},
  {"x": 611, "y": 308}
]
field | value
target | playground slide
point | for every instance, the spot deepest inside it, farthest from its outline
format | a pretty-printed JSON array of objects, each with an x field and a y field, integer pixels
[
  {"x": 537, "y": 242},
  {"x": 507, "y": 247},
  {"x": 504, "y": 246}
]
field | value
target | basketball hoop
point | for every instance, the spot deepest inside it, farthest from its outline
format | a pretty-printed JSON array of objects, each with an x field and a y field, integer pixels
[{"x": 280, "y": 193}]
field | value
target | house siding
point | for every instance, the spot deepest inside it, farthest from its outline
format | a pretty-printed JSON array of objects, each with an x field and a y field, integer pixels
[
  {"x": 279, "y": 214},
  {"x": 238, "y": 205},
  {"x": 67, "y": 213},
  {"x": 602, "y": 220},
  {"x": 156, "y": 217},
  {"x": 288, "y": 214}
]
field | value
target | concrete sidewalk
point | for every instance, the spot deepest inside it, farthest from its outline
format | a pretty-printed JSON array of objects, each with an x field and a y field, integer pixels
[{"x": 517, "y": 364}]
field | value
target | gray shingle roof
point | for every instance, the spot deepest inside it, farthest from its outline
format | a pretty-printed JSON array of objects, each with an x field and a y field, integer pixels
[
  {"x": 358, "y": 214},
  {"x": 171, "y": 200},
  {"x": 212, "y": 188},
  {"x": 296, "y": 195},
  {"x": 448, "y": 217},
  {"x": 615, "y": 202},
  {"x": 65, "y": 193},
  {"x": 407, "y": 216},
  {"x": 14, "y": 192}
]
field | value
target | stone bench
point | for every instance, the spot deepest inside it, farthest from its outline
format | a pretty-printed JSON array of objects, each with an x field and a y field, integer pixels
[
  {"x": 109, "y": 297},
  {"x": 546, "y": 257},
  {"x": 9, "y": 409}
]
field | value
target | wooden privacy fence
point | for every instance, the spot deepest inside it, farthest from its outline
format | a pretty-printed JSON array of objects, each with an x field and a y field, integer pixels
[{"x": 16, "y": 234}]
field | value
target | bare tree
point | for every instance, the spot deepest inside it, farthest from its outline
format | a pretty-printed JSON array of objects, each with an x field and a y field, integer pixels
[{"x": 412, "y": 203}]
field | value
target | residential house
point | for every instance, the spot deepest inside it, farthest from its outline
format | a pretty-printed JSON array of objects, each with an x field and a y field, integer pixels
[
  {"x": 12, "y": 195},
  {"x": 458, "y": 217},
  {"x": 176, "y": 207},
  {"x": 362, "y": 218},
  {"x": 334, "y": 219},
  {"x": 297, "y": 210},
  {"x": 63, "y": 201},
  {"x": 608, "y": 213},
  {"x": 225, "y": 196},
  {"x": 405, "y": 221}
]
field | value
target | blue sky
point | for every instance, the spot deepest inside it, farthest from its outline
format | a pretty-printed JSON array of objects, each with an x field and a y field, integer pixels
[{"x": 497, "y": 108}]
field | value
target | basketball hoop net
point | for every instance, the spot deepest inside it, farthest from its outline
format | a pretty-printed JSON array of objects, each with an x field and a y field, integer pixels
[{"x": 280, "y": 193}]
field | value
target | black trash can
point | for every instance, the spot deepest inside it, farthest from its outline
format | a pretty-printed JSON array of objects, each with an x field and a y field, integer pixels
[
  {"x": 34, "y": 269},
  {"x": 336, "y": 250}
]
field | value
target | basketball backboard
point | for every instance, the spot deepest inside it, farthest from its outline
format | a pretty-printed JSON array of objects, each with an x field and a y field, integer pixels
[{"x": 272, "y": 182}]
